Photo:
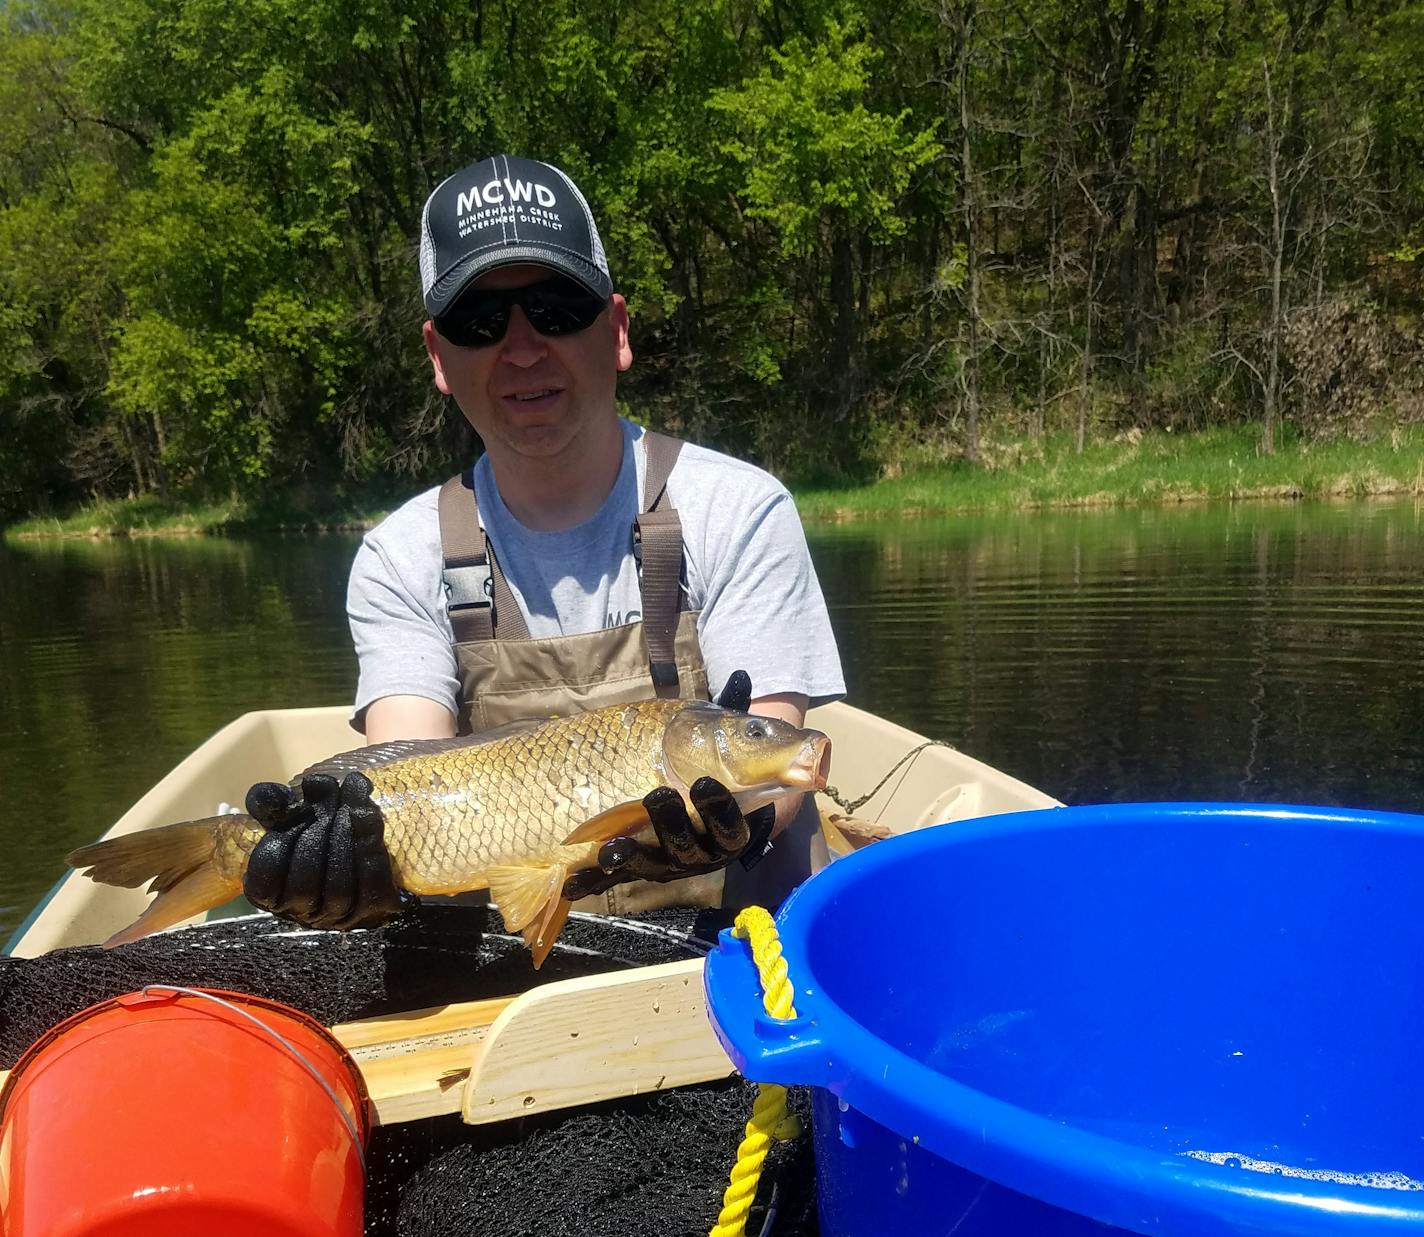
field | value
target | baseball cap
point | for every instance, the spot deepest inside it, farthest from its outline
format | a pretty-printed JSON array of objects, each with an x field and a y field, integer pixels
[{"x": 503, "y": 211}]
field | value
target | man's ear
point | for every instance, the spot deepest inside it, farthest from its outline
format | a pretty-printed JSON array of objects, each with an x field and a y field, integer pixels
[
  {"x": 618, "y": 320},
  {"x": 433, "y": 345}
]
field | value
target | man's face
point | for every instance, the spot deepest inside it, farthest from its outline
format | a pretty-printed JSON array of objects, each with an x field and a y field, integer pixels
[{"x": 535, "y": 395}]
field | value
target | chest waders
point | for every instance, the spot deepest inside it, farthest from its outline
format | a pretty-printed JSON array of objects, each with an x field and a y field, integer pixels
[{"x": 506, "y": 675}]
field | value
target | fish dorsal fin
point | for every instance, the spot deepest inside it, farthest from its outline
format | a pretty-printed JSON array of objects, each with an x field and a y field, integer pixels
[
  {"x": 360, "y": 759},
  {"x": 624, "y": 820}
]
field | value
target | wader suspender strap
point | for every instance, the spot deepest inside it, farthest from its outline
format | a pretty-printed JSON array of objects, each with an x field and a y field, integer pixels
[
  {"x": 657, "y": 545},
  {"x": 478, "y": 597},
  {"x": 472, "y": 576}
]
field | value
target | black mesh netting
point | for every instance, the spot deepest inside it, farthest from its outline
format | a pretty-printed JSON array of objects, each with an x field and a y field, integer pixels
[
  {"x": 654, "y": 1165},
  {"x": 434, "y": 955}
]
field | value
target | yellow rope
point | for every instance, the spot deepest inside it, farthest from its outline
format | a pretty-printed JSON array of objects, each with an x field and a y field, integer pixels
[{"x": 770, "y": 1117}]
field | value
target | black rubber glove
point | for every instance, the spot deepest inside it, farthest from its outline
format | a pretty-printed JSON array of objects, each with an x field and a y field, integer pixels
[
  {"x": 682, "y": 849},
  {"x": 323, "y": 859}
]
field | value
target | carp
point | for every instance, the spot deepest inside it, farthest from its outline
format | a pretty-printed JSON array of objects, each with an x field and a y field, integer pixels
[{"x": 513, "y": 810}]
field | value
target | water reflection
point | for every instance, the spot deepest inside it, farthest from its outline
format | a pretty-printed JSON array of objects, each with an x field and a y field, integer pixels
[
  {"x": 117, "y": 658},
  {"x": 1253, "y": 651}
]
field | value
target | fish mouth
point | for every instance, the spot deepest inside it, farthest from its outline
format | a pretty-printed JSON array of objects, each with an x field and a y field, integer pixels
[{"x": 812, "y": 767}]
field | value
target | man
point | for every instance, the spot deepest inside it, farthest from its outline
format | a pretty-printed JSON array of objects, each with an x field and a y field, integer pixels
[{"x": 580, "y": 562}]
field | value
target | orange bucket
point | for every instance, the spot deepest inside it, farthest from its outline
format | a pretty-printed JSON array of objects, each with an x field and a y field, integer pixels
[{"x": 179, "y": 1111}]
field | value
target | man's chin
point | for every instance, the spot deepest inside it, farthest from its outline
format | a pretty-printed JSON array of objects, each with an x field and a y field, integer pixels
[{"x": 540, "y": 438}]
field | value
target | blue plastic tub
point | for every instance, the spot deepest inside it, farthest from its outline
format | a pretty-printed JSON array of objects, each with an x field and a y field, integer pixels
[{"x": 1165, "y": 1019}]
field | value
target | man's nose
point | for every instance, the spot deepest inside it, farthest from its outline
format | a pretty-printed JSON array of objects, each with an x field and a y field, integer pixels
[{"x": 522, "y": 344}]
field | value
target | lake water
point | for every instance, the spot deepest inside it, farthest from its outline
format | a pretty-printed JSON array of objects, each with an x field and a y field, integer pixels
[{"x": 1247, "y": 651}]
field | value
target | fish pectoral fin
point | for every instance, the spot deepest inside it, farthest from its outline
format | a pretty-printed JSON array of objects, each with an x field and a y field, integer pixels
[
  {"x": 844, "y": 834},
  {"x": 523, "y": 891},
  {"x": 836, "y": 841},
  {"x": 622, "y": 821},
  {"x": 861, "y": 833},
  {"x": 541, "y": 935}
]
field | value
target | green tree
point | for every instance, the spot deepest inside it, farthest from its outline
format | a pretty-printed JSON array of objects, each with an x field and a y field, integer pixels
[{"x": 827, "y": 175}]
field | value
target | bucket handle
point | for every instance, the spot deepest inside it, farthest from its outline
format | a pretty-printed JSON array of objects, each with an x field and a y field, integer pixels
[
  {"x": 788, "y": 1051},
  {"x": 292, "y": 1049}
]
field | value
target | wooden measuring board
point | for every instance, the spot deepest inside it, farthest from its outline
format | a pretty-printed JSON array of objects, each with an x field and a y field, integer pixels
[
  {"x": 582, "y": 1040},
  {"x": 568, "y": 1043},
  {"x": 415, "y": 1064}
]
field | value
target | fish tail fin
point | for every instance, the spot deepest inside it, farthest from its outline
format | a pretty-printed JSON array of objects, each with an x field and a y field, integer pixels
[
  {"x": 199, "y": 891},
  {"x": 178, "y": 862},
  {"x": 531, "y": 899}
]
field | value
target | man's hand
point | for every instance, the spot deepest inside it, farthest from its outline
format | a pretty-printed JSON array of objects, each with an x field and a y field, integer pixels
[
  {"x": 683, "y": 850},
  {"x": 323, "y": 860}
]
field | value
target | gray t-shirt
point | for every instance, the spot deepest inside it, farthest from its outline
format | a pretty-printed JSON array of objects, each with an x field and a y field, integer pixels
[{"x": 749, "y": 575}]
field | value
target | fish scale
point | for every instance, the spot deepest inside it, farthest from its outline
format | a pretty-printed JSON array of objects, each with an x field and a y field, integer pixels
[{"x": 451, "y": 816}]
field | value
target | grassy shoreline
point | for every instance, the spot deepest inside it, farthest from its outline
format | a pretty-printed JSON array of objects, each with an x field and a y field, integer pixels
[
  {"x": 149, "y": 517},
  {"x": 1156, "y": 468},
  {"x": 1131, "y": 470}
]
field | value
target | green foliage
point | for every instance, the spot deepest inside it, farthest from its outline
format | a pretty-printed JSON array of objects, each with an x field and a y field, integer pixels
[
  {"x": 810, "y": 149},
  {"x": 209, "y": 212}
]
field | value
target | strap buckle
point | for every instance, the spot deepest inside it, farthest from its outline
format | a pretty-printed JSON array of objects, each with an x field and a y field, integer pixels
[{"x": 468, "y": 587}]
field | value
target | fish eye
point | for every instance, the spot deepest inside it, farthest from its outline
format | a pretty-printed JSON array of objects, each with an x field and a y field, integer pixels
[{"x": 755, "y": 730}]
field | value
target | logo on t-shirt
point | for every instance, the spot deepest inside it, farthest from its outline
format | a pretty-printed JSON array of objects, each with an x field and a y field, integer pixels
[{"x": 616, "y": 618}]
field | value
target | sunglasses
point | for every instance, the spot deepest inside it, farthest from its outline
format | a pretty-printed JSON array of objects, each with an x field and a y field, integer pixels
[{"x": 556, "y": 306}]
